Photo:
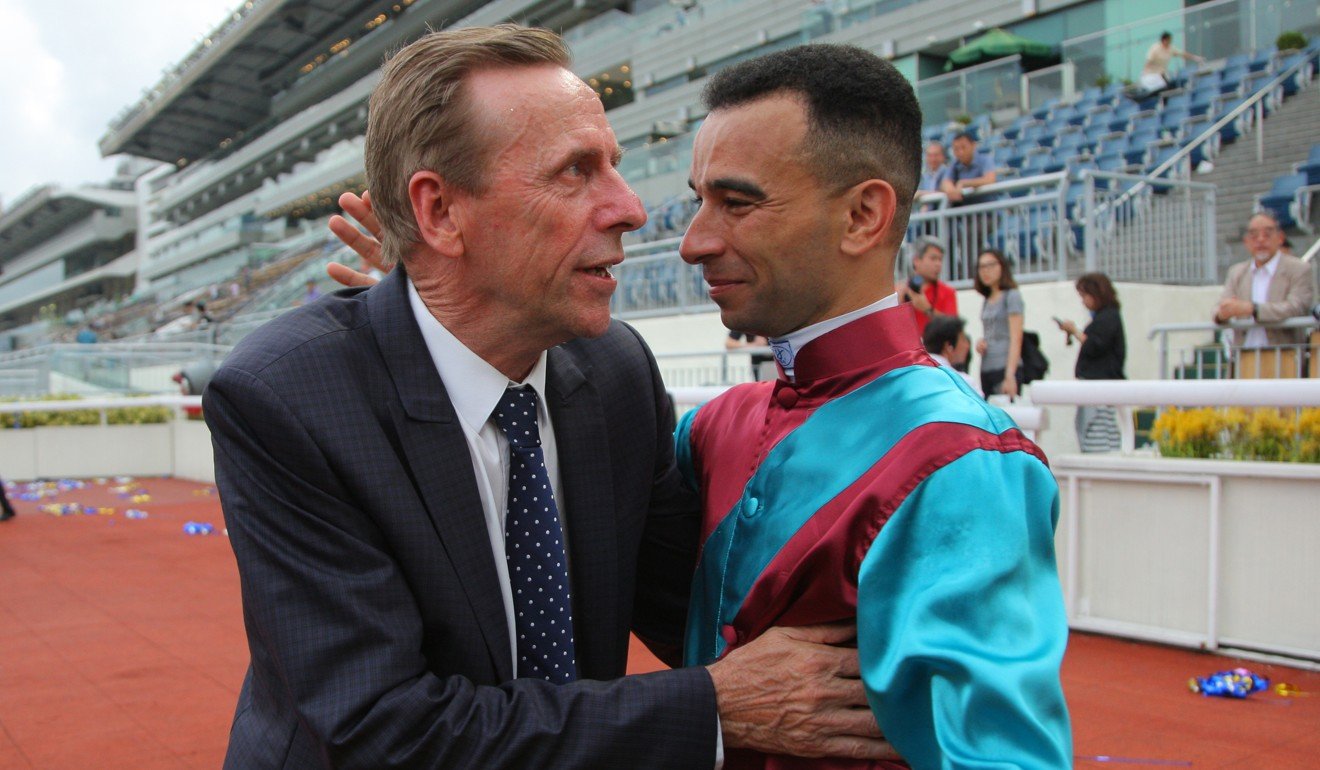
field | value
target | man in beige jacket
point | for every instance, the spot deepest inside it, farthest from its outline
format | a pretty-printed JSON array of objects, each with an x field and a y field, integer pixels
[{"x": 1271, "y": 286}]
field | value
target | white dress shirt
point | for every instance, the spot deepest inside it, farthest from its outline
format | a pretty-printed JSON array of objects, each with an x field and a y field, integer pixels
[
  {"x": 971, "y": 381},
  {"x": 1261, "y": 275},
  {"x": 475, "y": 388}
]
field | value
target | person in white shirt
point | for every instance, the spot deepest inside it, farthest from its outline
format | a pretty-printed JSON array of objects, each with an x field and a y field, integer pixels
[
  {"x": 945, "y": 339},
  {"x": 1270, "y": 286},
  {"x": 1155, "y": 72}
]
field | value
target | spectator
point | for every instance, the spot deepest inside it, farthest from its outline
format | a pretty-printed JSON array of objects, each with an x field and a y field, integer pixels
[
  {"x": 737, "y": 340},
  {"x": 86, "y": 336},
  {"x": 1270, "y": 286},
  {"x": 928, "y": 294},
  {"x": 1101, "y": 357},
  {"x": 311, "y": 295},
  {"x": 945, "y": 339},
  {"x": 968, "y": 172},
  {"x": 200, "y": 316},
  {"x": 1001, "y": 316},
  {"x": 936, "y": 163},
  {"x": 6, "y": 510},
  {"x": 1155, "y": 73}
]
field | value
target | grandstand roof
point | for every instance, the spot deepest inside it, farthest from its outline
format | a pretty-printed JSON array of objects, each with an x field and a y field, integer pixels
[
  {"x": 47, "y": 211},
  {"x": 224, "y": 87}
]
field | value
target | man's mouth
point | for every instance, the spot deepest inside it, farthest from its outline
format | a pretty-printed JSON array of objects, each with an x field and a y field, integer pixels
[{"x": 600, "y": 271}]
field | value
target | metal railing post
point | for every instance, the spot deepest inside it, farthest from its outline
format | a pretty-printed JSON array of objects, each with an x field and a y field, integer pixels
[{"x": 1260, "y": 130}]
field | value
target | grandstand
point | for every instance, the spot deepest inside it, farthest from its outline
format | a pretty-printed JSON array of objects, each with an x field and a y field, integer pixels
[{"x": 257, "y": 131}]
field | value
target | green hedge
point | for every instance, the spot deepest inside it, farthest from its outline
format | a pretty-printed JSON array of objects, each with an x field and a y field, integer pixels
[{"x": 127, "y": 415}]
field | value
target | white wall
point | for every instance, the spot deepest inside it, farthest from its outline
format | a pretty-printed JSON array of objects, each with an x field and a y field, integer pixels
[{"x": 180, "y": 448}]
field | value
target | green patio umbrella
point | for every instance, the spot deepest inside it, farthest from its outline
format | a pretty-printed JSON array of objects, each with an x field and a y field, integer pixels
[{"x": 998, "y": 43}]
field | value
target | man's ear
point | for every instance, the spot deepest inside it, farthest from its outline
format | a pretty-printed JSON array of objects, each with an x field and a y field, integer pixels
[
  {"x": 432, "y": 201},
  {"x": 871, "y": 208}
]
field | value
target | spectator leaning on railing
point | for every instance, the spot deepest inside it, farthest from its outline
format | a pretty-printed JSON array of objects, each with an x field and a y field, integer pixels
[{"x": 1271, "y": 286}]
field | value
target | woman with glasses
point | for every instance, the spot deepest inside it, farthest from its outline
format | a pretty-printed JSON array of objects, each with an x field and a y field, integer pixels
[{"x": 1001, "y": 319}]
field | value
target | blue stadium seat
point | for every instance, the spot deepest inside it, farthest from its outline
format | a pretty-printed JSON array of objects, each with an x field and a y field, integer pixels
[
  {"x": 1149, "y": 122},
  {"x": 1280, "y": 197},
  {"x": 1260, "y": 61},
  {"x": 1179, "y": 101},
  {"x": 1137, "y": 147},
  {"x": 1312, "y": 165},
  {"x": 1171, "y": 121},
  {"x": 1072, "y": 142}
]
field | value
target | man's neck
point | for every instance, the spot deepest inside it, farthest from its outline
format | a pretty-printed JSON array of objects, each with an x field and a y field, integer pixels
[
  {"x": 1261, "y": 261},
  {"x": 512, "y": 352}
]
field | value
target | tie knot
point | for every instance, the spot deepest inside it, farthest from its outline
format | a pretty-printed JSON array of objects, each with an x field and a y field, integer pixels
[{"x": 515, "y": 415}]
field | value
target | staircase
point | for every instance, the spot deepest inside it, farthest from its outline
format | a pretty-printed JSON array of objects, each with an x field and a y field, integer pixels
[{"x": 1289, "y": 133}]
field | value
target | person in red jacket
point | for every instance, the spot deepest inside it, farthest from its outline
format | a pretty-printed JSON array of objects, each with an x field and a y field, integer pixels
[{"x": 928, "y": 294}]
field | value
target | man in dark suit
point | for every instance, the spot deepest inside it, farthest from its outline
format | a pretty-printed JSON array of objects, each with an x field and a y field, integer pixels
[{"x": 388, "y": 459}]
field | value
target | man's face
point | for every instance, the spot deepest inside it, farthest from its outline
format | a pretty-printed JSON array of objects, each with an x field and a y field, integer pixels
[
  {"x": 929, "y": 263},
  {"x": 542, "y": 237},
  {"x": 1263, "y": 238},
  {"x": 957, "y": 354},
  {"x": 964, "y": 150},
  {"x": 767, "y": 233},
  {"x": 934, "y": 157}
]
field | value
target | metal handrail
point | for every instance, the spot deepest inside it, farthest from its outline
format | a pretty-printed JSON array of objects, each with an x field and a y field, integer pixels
[
  {"x": 1252, "y": 102},
  {"x": 1311, "y": 252}
]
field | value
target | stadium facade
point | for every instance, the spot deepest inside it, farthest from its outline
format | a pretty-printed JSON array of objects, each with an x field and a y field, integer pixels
[{"x": 261, "y": 126}]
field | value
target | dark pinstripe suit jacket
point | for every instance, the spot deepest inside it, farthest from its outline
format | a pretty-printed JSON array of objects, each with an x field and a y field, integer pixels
[{"x": 373, "y": 612}]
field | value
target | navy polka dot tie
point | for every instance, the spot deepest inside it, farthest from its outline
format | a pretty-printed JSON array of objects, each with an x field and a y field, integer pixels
[{"x": 534, "y": 546}]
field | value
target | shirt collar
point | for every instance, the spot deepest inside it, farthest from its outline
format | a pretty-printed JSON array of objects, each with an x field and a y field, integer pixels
[
  {"x": 939, "y": 359},
  {"x": 786, "y": 348},
  {"x": 474, "y": 386},
  {"x": 1269, "y": 267}
]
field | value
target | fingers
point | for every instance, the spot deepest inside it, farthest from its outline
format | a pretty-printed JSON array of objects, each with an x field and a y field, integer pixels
[
  {"x": 822, "y": 633},
  {"x": 348, "y": 276},
  {"x": 859, "y": 748},
  {"x": 360, "y": 209},
  {"x": 366, "y": 247}
]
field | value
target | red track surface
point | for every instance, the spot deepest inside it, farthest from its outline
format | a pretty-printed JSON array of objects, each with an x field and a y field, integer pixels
[{"x": 122, "y": 646}]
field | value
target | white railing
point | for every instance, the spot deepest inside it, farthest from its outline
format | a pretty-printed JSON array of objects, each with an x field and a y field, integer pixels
[
  {"x": 1025, "y": 218},
  {"x": 1218, "y": 360},
  {"x": 112, "y": 367},
  {"x": 1030, "y": 419},
  {"x": 1187, "y": 551},
  {"x": 1148, "y": 230}
]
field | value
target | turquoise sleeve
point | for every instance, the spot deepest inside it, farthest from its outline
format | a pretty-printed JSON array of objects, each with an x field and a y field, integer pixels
[
  {"x": 683, "y": 449},
  {"x": 961, "y": 623}
]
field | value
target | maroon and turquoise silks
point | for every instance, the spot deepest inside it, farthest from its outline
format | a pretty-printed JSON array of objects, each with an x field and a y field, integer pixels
[{"x": 879, "y": 486}]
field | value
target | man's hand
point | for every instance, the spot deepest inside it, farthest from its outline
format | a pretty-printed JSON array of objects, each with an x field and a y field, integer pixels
[
  {"x": 917, "y": 297},
  {"x": 367, "y": 245},
  {"x": 1233, "y": 308},
  {"x": 791, "y": 691}
]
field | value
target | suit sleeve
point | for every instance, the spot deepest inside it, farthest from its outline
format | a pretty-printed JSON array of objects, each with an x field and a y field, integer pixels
[
  {"x": 961, "y": 625},
  {"x": 335, "y": 630},
  {"x": 670, "y": 541},
  {"x": 1297, "y": 299}
]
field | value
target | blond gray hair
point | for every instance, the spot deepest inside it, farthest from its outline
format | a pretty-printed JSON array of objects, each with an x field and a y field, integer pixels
[{"x": 422, "y": 119}]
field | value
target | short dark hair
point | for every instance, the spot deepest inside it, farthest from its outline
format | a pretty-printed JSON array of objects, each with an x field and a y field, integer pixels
[
  {"x": 1006, "y": 281},
  {"x": 1099, "y": 286},
  {"x": 1166, "y": 36},
  {"x": 863, "y": 119},
  {"x": 942, "y": 330},
  {"x": 968, "y": 135}
]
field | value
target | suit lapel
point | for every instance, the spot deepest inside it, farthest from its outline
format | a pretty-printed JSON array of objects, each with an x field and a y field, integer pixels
[
  {"x": 587, "y": 480},
  {"x": 439, "y": 461}
]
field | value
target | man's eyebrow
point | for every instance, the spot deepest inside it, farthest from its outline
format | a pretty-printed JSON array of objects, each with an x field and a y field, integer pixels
[{"x": 734, "y": 185}]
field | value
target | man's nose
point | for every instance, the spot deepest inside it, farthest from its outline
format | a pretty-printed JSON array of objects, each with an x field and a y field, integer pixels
[{"x": 700, "y": 241}]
